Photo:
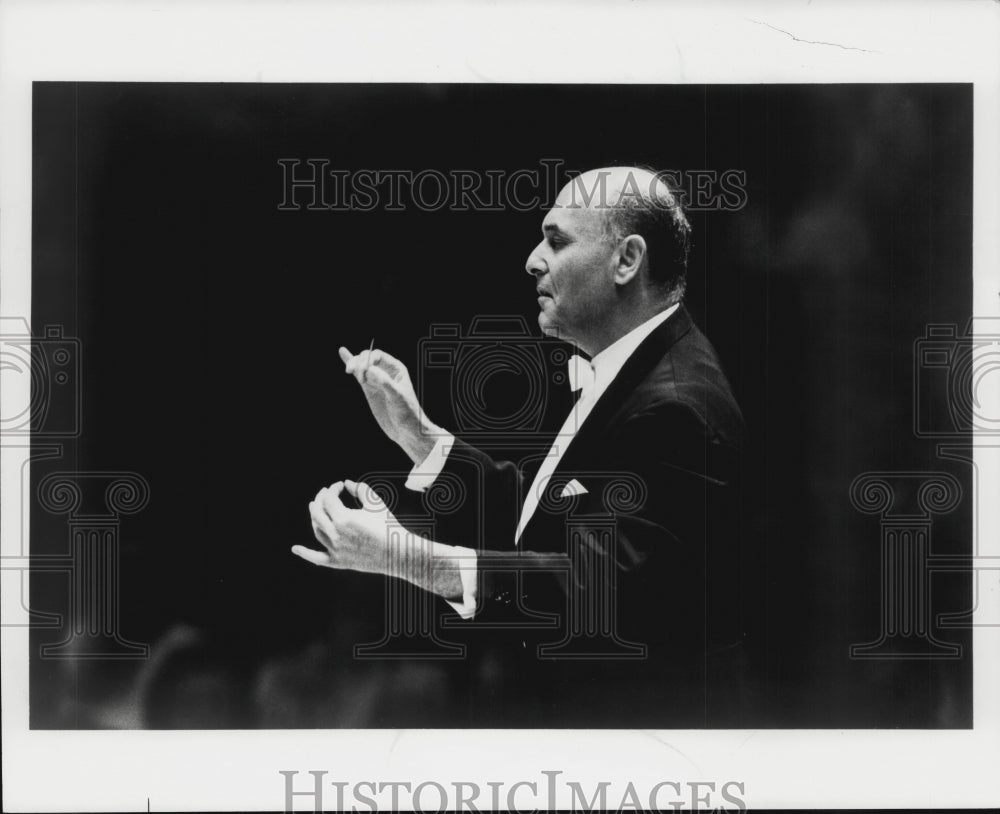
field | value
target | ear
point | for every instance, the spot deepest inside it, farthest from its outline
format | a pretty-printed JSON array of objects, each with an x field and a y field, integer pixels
[{"x": 631, "y": 254}]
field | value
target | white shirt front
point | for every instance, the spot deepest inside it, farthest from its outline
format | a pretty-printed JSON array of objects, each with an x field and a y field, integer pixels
[{"x": 607, "y": 364}]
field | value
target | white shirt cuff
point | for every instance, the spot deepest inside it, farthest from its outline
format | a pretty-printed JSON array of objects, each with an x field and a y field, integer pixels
[
  {"x": 468, "y": 562},
  {"x": 423, "y": 475}
]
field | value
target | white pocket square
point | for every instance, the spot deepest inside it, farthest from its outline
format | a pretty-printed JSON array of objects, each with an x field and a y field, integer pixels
[{"x": 573, "y": 488}]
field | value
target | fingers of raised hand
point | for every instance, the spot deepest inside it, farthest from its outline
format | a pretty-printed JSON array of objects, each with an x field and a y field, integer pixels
[
  {"x": 375, "y": 367},
  {"x": 359, "y": 366},
  {"x": 388, "y": 364},
  {"x": 353, "y": 364}
]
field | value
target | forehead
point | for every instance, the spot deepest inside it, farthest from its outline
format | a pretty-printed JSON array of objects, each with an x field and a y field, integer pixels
[{"x": 573, "y": 218}]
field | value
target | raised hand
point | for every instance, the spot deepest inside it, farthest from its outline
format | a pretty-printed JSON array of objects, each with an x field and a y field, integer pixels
[{"x": 386, "y": 384}]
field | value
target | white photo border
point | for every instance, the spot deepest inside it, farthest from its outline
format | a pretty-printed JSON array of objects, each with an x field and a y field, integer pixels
[{"x": 309, "y": 41}]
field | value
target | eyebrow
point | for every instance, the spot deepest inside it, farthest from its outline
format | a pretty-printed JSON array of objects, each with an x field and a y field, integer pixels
[{"x": 553, "y": 228}]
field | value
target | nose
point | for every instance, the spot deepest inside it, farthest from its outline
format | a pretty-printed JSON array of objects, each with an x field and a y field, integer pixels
[{"x": 535, "y": 266}]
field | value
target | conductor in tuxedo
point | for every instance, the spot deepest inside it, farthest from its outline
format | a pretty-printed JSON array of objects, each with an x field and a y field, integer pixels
[{"x": 605, "y": 578}]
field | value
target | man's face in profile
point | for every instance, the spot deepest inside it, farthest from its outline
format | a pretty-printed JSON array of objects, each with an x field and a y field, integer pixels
[{"x": 573, "y": 269}]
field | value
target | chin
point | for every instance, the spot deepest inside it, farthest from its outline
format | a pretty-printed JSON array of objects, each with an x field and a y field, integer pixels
[{"x": 548, "y": 329}]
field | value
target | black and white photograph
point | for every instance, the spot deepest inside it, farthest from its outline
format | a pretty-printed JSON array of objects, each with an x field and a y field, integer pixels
[{"x": 596, "y": 440}]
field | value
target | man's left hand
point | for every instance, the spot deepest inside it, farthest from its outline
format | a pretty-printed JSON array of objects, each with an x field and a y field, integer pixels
[{"x": 355, "y": 539}]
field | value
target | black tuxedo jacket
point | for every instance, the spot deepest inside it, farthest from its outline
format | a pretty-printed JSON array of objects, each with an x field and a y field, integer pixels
[{"x": 619, "y": 606}]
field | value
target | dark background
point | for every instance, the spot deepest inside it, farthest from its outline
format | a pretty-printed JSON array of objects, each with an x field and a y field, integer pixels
[{"x": 209, "y": 322}]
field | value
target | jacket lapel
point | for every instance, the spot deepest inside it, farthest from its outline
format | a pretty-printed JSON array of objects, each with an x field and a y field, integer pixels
[{"x": 638, "y": 366}]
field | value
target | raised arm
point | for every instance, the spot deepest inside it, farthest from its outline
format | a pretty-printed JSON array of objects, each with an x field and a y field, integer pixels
[
  {"x": 494, "y": 487},
  {"x": 386, "y": 384}
]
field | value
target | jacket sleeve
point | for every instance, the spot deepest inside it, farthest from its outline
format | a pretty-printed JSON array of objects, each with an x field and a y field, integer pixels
[{"x": 480, "y": 500}]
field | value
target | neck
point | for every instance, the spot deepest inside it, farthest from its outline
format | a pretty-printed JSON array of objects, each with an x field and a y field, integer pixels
[{"x": 620, "y": 325}]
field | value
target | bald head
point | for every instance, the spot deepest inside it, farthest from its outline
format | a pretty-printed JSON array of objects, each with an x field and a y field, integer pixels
[
  {"x": 613, "y": 255},
  {"x": 627, "y": 201}
]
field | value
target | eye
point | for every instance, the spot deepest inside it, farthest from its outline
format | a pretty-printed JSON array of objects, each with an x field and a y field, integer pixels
[{"x": 556, "y": 242}]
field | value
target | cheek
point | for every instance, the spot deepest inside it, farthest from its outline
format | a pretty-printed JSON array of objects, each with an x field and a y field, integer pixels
[
  {"x": 584, "y": 288},
  {"x": 567, "y": 279}
]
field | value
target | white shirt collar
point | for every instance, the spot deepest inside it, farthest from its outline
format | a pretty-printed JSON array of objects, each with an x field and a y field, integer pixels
[{"x": 611, "y": 360}]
